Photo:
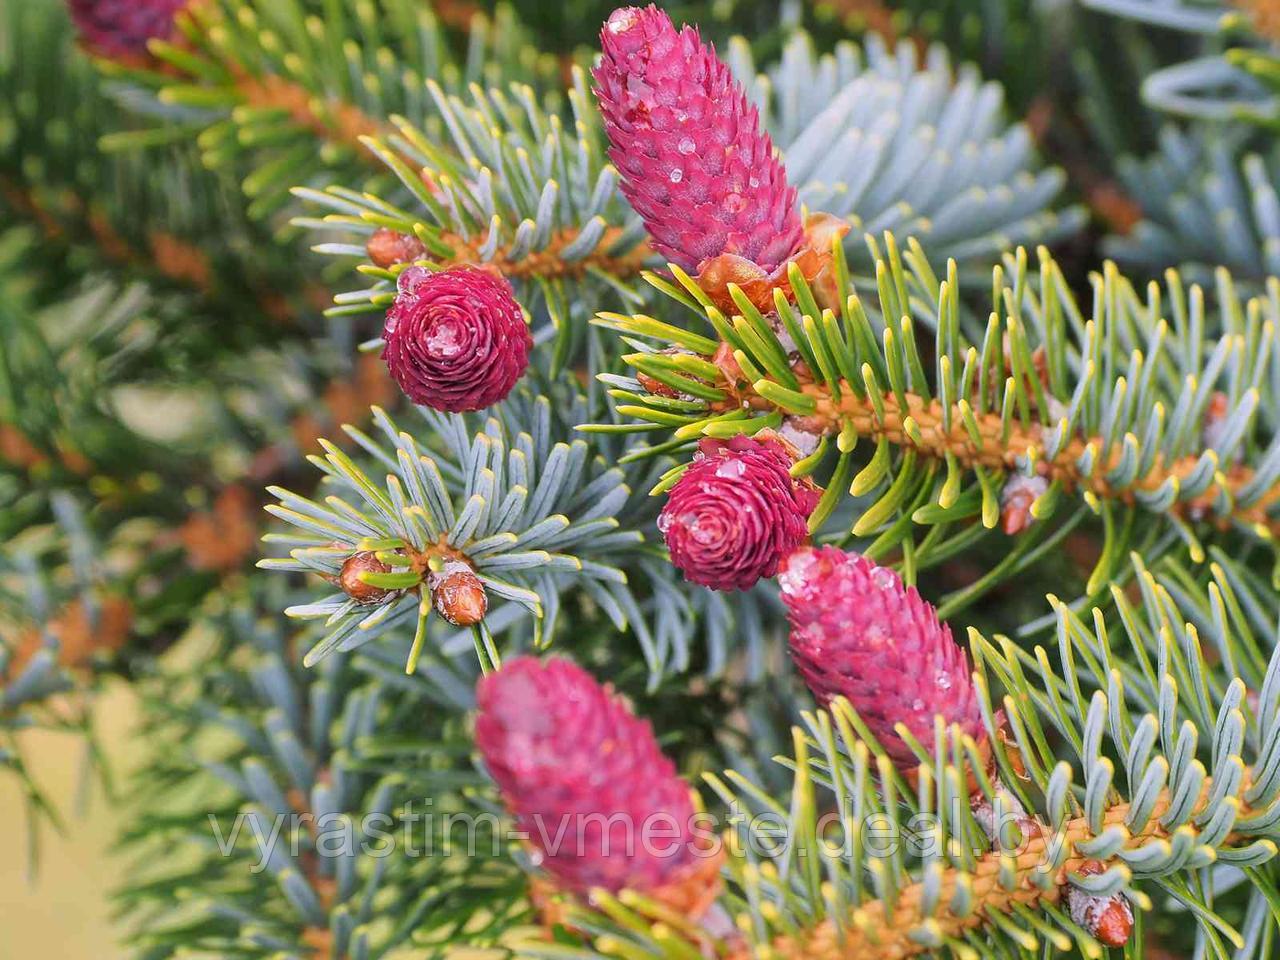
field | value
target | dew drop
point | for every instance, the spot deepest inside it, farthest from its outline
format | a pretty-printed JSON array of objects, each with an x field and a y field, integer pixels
[
  {"x": 731, "y": 469},
  {"x": 623, "y": 20},
  {"x": 446, "y": 340},
  {"x": 886, "y": 579}
]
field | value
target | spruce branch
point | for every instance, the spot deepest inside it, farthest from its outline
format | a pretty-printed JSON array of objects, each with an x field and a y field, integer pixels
[
  {"x": 1207, "y": 200},
  {"x": 161, "y": 218},
  {"x": 511, "y": 186},
  {"x": 332, "y": 757},
  {"x": 338, "y": 123},
  {"x": 1238, "y": 84},
  {"x": 529, "y": 515},
  {"x": 1126, "y": 409},
  {"x": 259, "y": 87},
  {"x": 987, "y": 442},
  {"x": 1000, "y": 887},
  {"x": 60, "y": 621}
]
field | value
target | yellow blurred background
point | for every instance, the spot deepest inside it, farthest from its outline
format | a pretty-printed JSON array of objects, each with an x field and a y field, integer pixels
[{"x": 64, "y": 913}]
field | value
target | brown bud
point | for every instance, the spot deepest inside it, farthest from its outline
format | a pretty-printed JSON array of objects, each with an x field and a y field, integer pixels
[
  {"x": 458, "y": 594},
  {"x": 1108, "y": 919},
  {"x": 655, "y": 386},
  {"x": 355, "y": 588},
  {"x": 802, "y": 434},
  {"x": 1216, "y": 416},
  {"x": 386, "y": 248},
  {"x": 1016, "y": 498}
]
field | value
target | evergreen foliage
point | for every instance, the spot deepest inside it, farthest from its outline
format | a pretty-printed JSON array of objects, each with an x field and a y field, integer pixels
[{"x": 1074, "y": 461}]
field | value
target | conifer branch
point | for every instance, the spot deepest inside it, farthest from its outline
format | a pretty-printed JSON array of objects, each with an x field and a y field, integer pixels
[
  {"x": 1107, "y": 406},
  {"x": 331, "y": 121},
  {"x": 119, "y": 210},
  {"x": 259, "y": 89},
  {"x": 987, "y": 441},
  {"x": 851, "y": 124},
  {"x": 1160, "y": 746},
  {"x": 1238, "y": 84},
  {"x": 167, "y": 256},
  {"x": 550, "y": 262},
  {"x": 1000, "y": 882}
]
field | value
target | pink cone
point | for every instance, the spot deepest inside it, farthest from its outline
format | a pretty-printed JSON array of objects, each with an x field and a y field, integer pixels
[
  {"x": 583, "y": 777},
  {"x": 858, "y": 632},
  {"x": 455, "y": 340},
  {"x": 736, "y": 513},
  {"x": 694, "y": 162},
  {"x": 122, "y": 28}
]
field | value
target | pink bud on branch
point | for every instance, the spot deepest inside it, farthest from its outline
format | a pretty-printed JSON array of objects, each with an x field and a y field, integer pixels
[
  {"x": 736, "y": 513},
  {"x": 121, "y": 29},
  {"x": 455, "y": 340}
]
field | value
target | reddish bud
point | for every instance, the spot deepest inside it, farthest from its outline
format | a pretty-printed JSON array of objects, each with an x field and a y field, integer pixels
[
  {"x": 1108, "y": 919},
  {"x": 121, "y": 29},
  {"x": 694, "y": 160},
  {"x": 458, "y": 594},
  {"x": 736, "y": 512},
  {"x": 1016, "y": 498},
  {"x": 655, "y": 386},
  {"x": 859, "y": 632},
  {"x": 455, "y": 340},
  {"x": 386, "y": 248},
  {"x": 351, "y": 584},
  {"x": 567, "y": 752}
]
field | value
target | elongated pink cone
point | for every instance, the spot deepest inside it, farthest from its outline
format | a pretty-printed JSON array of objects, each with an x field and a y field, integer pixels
[
  {"x": 694, "y": 162},
  {"x": 584, "y": 777},
  {"x": 858, "y": 632},
  {"x": 122, "y": 28}
]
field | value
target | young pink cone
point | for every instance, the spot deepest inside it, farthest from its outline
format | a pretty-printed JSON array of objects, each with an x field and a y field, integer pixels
[
  {"x": 858, "y": 632},
  {"x": 456, "y": 340},
  {"x": 694, "y": 162},
  {"x": 736, "y": 512},
  {"x": 573, "y": 762},
  {"x": 122, "y": 28}
]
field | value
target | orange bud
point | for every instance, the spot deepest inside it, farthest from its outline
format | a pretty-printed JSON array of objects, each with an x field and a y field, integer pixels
[
  {"x": 351, "y": 584},
  {"x": 386, "y": 248},
  {"x": 1108, "y": 919},
  {"x": 1115, "y": 924},
  {"x": 458, "y": 594},
  {"x": 1016, "y": 498}
]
